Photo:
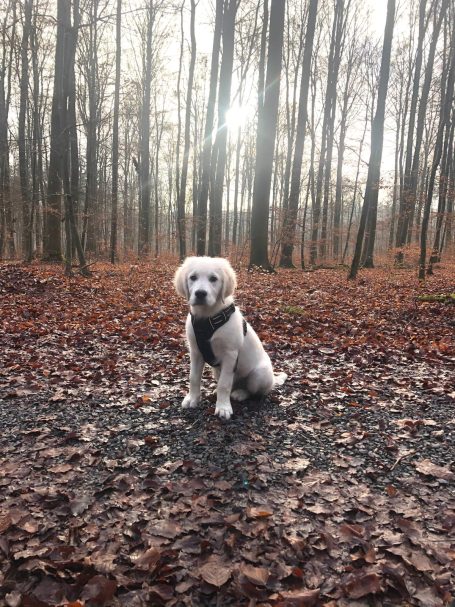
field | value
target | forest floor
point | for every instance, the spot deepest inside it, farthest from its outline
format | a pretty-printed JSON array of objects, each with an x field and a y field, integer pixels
[{"x": 337, "y": 490}]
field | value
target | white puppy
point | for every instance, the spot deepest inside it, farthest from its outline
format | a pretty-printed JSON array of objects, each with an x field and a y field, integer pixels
[{"x": 218, "y": 334}]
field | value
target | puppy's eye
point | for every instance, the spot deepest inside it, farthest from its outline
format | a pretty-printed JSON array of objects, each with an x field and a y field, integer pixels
[
  {"x": 193, "y": 277},
  {"x": 213, "y": 278}
]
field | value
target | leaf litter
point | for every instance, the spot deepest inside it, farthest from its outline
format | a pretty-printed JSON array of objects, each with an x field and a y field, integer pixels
[{"x": 335, "y": 490}]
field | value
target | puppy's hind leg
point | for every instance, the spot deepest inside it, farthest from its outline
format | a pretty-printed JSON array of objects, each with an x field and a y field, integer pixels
[
  {"x": 239, "y": 394},
  {"x": 260, "y": 381}
]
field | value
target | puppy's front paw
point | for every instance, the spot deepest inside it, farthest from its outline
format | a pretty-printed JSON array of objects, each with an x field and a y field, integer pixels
[
  {"x": 189, "y": 402},
  {"x": 223, "y": 410}
]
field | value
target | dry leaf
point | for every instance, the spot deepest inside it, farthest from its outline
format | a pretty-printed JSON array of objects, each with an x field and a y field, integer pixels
[
  {"x": 215, "y": 572},
  {"x": 256, "y": 575},
  {"x": 426, "y": 466}
]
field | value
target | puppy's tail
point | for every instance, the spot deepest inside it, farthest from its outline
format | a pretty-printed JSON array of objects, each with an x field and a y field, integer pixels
[{"x": 279, "y": 379}]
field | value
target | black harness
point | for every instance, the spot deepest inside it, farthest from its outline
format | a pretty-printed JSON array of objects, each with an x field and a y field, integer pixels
[{"x": 204, "y": 328}]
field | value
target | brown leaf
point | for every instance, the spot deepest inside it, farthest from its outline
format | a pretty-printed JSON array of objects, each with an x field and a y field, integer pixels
[
  {"x": 299, "y": 598},
  {"x": 13, "y": 599},
  {"x": 262, "y": 512},
  {"x": 184, "y": 586},
  {"x": 61, "y": 468},
  {"x": 29, "y": 525},
  {"x": 428, "y": 597},
  {"x": 426, "y": 466},
  {"x": 151, "y": 441},
  {"x": 361, "y": 584},
  {"x": 99, "y": 589},
  {"x": 167, "y": 529},
  {"x": 256, "y": 575},
  {"x": 49, "y": 591},
  {"x": 421, "y": 562},
  {"x": 351, "y": 531},
  {"x": 5, "y": 522},
  {"x": 78, "y": 506},
  {"x": 148, "y": 560},
  {"x": 215, "y": 572},
  {"x": 161, "y": 592}
]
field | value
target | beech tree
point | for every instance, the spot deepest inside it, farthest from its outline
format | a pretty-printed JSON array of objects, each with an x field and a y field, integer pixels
[
  {"x": 115, "y": 133},
  {"x": 265, "y": 139},
  {"x": 290, "y": 216},
  {"x": 219, "y": 151},
  {"x": 370, "y": 200}
]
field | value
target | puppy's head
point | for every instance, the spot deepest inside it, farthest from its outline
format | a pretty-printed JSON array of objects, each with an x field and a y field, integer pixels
[{"x": 204, "y": 281}]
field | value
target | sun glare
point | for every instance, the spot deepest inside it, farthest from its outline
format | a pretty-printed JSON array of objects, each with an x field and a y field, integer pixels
[{"x": 237, "y": 116}]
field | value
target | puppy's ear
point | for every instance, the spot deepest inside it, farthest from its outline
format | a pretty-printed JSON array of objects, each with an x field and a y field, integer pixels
[
  {"x": 229, "y": 280},
  {"x": 180, "y": 282}
]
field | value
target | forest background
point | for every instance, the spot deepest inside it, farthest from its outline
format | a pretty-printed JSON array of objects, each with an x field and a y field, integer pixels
[
  {"x": 237, "y": 128},
  {"x": 226, "y": 127}
]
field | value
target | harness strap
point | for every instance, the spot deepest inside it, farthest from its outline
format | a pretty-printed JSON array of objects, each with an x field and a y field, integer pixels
[{"x": 204, "y": 328}]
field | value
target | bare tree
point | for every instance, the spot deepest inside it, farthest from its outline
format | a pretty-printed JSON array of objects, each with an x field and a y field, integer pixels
[
  {"x": 290, "y": 217},
  {"x": 219, "y": 152},
  {"x": 446, "y": 113},
  {"x": 377, "y": 138},
  {"x": 23, "y": 165},
  {"x": 7, "y": 244},
  {"x": 265, "y": 140},
  {"x": 409, "y": 194},
  {"x": 187, "y": 142},
  {"x": 207, "y": 146},
  {"x": 144, "y": 155},
  {"x": 115, "y": 134}
]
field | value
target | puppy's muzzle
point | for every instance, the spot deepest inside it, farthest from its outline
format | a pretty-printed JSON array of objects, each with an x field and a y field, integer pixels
[{"x": 200, "y": 296}]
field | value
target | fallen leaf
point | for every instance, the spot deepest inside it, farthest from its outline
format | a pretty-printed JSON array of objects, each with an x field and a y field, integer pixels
[
  {"x": 148, "y": 560},
  {"x": 215, "y": 572},
  {"x": 361, "y": 584},
  {"x": 5, "y": 522},
  {"x": 99, "y": 589},
  {"x": 256, "y": 575},
  {"x": 167, "y": 529},
  {"x": 426, "y": 466},
  {"x": 299, "y": 598},
  {"x": 428, "y": 597},
  {"x": 262, "y": 512},
  {"x": 162, "y": 592}
]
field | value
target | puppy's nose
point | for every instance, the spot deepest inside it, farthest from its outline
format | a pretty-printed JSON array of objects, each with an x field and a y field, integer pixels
[{"x": 200, "y": 294}]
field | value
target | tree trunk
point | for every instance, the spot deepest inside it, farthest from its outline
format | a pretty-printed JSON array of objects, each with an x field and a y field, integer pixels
[
  {"x": 68, "y": 121},
  {"x": 7, "y": 244},
  {"x": 377, "y": 138},
  {"x": 290, "y": 216},
  {"x": 23, "y": 168},
  {"x": 356, "y": 185},
  {"x": 159, "y": 127},
  {"x": 52, "y": 227},
  {"x": 207, "y": 147},
  {"x": 219, "y": 154},
  {"x": 409, "y": 194},
  {"x": 186, "y": 146},
  {"x": 442, "y": 202},
  {"x": 115, "y": 144},
  {"x": 144, "y": 157},
  {"x": 444, "y": 124},
  {"x": 327, "y": 119},
  {"x": 91, "y": 211},
  {"x": 265, "y": 141},
  {"x": 337, "y": 211},
  {"x": 36, "y": 165}
]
